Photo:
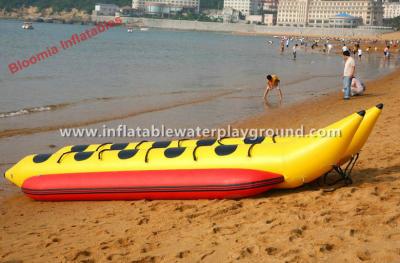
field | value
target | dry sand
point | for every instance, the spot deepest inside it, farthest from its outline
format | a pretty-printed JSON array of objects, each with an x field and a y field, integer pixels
[
  {"x": 390, "y": 36},
  {"x": 357, "y": 223}
]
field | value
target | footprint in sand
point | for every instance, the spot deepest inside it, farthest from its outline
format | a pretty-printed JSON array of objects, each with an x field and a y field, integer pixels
[
  {"x": 83, "y": 256},
  {"x": 246, "y": 252},
  {"x": 183, "y": 254},
  {"x": 124, "y": 242},
  {"x": 393, "y": 220},
  {"x": 207, "y": 254},
  {"x": 143, "y": 220},
  {"x": 230, "y": 210},
  {"x": 297, "y": 233},
  {"x": 53, "y": 240},
  {"x": 364, "y": 255},
  {"x": 148, "y": 259},
  {"x": 117, "y": 257},
  {"x": 271, "y": 251},
  {"x": 149, "y": 247},
  {"x": 290, "y": 252},
  {"x": 326, "y": 247},
  {"x": 182, "y": 208}
]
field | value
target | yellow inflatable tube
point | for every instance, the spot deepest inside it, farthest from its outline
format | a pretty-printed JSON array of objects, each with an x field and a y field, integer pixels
[
  {"x": 299, "y": 161},
  {"x": 357, "y": 142}
]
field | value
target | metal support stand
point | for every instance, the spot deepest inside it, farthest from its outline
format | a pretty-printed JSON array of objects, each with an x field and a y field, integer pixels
[{"x": 345, "y": 173}]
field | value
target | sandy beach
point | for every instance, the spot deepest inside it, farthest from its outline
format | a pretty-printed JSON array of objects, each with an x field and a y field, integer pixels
[{"x": 358, "y": 223}]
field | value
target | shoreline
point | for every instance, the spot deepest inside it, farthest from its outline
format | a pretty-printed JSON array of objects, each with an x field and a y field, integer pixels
[
  {"x": 234, "y": 28},
  {"x": 298, "y": 225}
]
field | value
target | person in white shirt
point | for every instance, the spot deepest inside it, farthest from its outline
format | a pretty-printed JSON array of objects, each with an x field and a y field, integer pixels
[
  {"x": 348, "y": 74},
  {"x": 344, "y": 48},
  {"x": 329, "y": 48},
  {"x": 359, "y": 51}
]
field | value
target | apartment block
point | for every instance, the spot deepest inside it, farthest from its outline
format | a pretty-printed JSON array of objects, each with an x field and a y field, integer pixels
[{"x": 319, "y": 13}]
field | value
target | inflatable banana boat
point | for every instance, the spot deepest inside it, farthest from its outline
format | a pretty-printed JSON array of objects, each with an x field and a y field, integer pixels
[{"x": 186, "y": 169}]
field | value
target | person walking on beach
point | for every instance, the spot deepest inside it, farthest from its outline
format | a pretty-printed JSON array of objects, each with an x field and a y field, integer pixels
[
  {"x": 272, "y": 83},
  {"x": 348, "y": 73},
  {"x": 329, "y": 48},
  {"x": 295, "y": 51},
  {"x": 359, "y": 53},
  {"x": 282, "y": 46},
  {"x": 386, "y": 52},
  {"x": 344, "y": 48}
]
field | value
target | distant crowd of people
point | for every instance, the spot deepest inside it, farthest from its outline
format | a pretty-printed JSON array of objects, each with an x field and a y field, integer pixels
[{"x": 352, "y": 85}]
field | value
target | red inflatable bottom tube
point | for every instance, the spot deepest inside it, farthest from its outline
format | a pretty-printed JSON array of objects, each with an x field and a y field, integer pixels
[{"x": 152, "y": 185}]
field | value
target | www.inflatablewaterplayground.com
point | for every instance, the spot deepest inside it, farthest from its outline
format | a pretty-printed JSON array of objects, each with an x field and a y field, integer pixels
[
  {"x": 122, "y": 131},
  {"x": 75, "y": 39}
]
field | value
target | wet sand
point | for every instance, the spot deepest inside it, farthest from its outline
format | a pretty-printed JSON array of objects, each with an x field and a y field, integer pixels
[{"x": 358, "y": 223}]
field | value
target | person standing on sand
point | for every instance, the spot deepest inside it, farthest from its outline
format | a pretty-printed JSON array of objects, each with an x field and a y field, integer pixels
[
  {"x": 295, "y": 51},
  {"x": 282, "y": 46},
  {"x": 359, "y": 53},
  {"x": 272, "y": 83},
  {"x": 348, "y": 74},
  {"x": 344, "y": 48}
]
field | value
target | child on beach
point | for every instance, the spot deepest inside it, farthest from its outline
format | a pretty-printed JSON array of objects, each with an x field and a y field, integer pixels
[{"x": 272, "y": 83}]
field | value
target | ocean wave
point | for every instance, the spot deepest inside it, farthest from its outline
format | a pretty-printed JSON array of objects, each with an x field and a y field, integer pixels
[
  {"x": 53, "y": 107},
  {"x": 25, "y": 111}
]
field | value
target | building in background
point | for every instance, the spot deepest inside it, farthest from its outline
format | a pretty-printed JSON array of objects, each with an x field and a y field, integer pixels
[
  {"x": 230, "y": 15},
  {"x": 293, "y": 12},
  {"x": 320, "y": 13},
  {"x": 246, "y": 7},
  {"x": 166, "y": 6},
  {"x": 270, "y": 12},
  {"x": 128, "y": 11},
  {"x": 344, "y": 20},
  {"x": 105, "y": 9},
  {"x": 391, "y": 9}
]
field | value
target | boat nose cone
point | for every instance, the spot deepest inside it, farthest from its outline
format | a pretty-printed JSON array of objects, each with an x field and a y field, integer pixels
[
  {"x": 380, "y": 106},
  {"x": 361, "y": 113},
  {"x": 8, "y": 175}
]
